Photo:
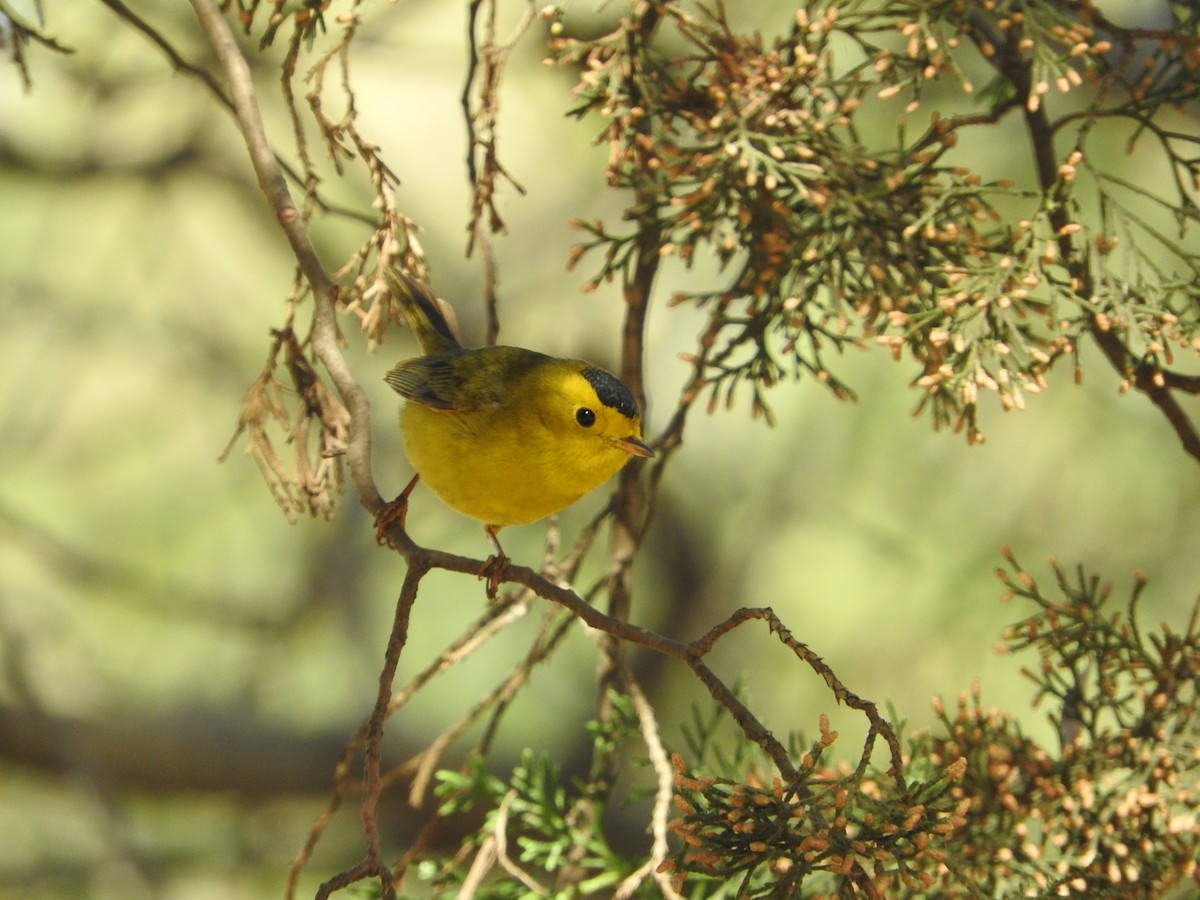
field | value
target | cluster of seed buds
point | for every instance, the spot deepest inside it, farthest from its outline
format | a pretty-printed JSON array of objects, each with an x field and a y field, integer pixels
[
  {"x": 306, "y": 16},
  {"x": 1158, "y": 322},
  {"x": 838, "y": 821},
  {"x": 1063, "y": 51},
  {"x": 994, "y": 327},
  {"x": 1115, "y": 810},
  {"x": 1118, "y": 814}
]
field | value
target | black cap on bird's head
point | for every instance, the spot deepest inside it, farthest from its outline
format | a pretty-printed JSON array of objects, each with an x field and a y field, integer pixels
[{"x": 611, "y": 392}]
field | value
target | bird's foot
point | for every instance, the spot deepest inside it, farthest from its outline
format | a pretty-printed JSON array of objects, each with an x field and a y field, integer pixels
[
  {"x": 493, "y": 570},
  {"x": 393, "y": 513},
  {"x": 496, "y": 565}
]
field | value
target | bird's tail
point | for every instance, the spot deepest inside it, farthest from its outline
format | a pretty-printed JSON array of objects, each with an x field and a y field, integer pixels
[{"x": 430, "y": 319}]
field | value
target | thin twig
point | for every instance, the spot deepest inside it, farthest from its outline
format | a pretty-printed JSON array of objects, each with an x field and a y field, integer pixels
[
  {"x": 201, "y": 74},
  {"x": 485, "y": 859},
  {"x": 372, "y": 865},
  {"x": 500, "y": 832},
  {"x": 553, "y": 630},
  {"x": 495, "y": 619},
  {"x": 663, "y": 794},
  {"x": 396, "y": 642}
]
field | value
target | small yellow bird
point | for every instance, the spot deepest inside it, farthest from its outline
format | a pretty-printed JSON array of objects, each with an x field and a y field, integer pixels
[{"x": 503, "y": 434}]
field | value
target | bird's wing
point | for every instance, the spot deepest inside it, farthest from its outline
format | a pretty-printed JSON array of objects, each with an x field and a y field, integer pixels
[{"x": 442, "y": 381}]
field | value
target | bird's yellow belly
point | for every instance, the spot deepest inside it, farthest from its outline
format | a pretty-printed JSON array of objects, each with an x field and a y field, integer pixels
[{"x": 496, "y": 471}]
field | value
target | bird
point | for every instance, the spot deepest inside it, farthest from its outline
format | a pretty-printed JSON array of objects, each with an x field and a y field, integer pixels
[{"x": 504, "y": 435}]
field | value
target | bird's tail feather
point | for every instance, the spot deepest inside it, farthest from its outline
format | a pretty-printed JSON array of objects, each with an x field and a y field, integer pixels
[{"x": 430, "y": 319}]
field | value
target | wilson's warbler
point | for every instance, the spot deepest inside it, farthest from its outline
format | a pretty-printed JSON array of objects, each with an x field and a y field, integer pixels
[{"x": 506, "y": 435}]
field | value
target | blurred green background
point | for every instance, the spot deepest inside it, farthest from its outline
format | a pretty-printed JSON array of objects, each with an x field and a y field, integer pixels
[{"x": 181, "y": 666}]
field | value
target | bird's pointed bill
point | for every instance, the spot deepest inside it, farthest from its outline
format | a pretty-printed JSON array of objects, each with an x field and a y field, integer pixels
[{"x": 634, "y": 447}]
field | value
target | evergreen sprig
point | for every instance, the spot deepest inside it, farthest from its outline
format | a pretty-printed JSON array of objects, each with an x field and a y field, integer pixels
[{"x": 819, "y": 172}]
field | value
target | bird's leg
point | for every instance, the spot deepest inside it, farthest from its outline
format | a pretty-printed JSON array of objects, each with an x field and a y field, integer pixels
[
  {"x": 394, "y": 512},
  {"x": 493, "y": 568}
]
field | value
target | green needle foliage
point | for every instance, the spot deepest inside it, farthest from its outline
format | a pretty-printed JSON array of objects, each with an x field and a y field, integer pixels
[{"x": 540, "y": 824}]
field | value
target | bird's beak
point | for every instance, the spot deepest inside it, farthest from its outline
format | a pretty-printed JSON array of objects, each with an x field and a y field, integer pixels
[{"x": 634, "y": 447}]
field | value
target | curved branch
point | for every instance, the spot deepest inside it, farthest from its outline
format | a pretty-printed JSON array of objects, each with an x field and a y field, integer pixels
[{"x": 691, "y": 654}]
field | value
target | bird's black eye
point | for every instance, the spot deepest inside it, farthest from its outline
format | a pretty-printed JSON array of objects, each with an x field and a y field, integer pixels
[{"x": 585, "y": 417}]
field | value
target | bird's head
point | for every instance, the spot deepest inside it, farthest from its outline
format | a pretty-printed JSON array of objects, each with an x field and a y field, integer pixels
[{"x": 589, "y": 407}]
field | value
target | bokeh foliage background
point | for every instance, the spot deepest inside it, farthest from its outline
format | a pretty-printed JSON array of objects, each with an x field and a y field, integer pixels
[{"x": 181, "y": 664}]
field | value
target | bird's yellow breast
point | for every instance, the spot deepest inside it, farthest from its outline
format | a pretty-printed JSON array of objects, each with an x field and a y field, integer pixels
[{"x": 504, "y": 466}]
